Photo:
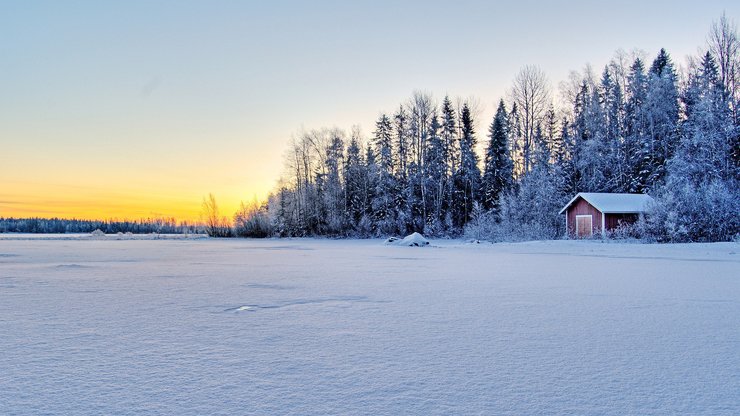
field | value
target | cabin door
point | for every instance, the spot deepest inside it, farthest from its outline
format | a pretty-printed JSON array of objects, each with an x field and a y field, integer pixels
[{"x": 584, "y": 226}]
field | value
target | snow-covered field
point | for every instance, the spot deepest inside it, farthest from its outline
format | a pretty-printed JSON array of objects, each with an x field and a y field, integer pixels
[{"x": 307, "y": 327}]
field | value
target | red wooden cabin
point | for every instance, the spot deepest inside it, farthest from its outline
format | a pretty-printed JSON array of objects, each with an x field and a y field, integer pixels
[{"x": 591, "y": 213}]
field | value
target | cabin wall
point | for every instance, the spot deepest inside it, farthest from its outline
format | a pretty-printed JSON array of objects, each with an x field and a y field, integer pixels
[{"x": 581, "y": 207}]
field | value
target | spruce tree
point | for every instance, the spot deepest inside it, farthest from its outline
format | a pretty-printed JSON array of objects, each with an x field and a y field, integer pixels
[
  {"x": 613, "y": 108},
  {"x": 354, "y": 180},
  {"x": 383, "y": 203},
  {"x": 367, "y": 225},
  {"x": 514, "y": 127},
  {"x": 467, "y": 178},
  {"x": 436, "y": 177},
  {"x": 331, "y": 216},
  {"x": 498, "y": 174},
  {"x": 636, "y": 145},
  {"x": 448, "y": 135},
  {"x": 402, "y": 192},
  {"x": 661, "y": 111}
]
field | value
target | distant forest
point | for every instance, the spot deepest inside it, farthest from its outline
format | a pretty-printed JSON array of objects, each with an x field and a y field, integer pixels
[
  {"x": 638, "y": 126},
  {"x": 62, "y": 226}
]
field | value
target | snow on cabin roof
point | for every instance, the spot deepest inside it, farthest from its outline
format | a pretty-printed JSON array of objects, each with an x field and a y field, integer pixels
[{"x": 613, "y": 203}]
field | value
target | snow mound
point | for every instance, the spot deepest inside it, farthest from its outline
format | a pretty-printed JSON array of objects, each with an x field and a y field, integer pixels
[
  {"x": 97, "y": 234},
  {"x": 414, "y": 240}
]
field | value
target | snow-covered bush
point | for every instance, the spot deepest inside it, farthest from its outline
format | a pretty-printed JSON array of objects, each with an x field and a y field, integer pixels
[
  {"x": 529, "y": 213},
  {"x": 708, "y": 212},
  {"x": 627, "y": 231},
  {"x": 482, "y": 224},
  {"x": 252, "y": 220}
]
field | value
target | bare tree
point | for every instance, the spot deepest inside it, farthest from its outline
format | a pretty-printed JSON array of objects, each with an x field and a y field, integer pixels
[
  {"x": 531, "y": 94},
  {"x": 724, "y": 45},
  {"x": 619, "y": 65},
  {"x": 216, "y": 226},
  {"x": 420, "y": 107},
  {"x": 569, "y": 90}
]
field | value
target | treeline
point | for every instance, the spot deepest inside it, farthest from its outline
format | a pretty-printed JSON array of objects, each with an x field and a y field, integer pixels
[
  {"x": 64, "y": 226},
  {"x": 638, "y": 126}
]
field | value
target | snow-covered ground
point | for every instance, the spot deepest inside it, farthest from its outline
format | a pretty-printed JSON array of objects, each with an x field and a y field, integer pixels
[{"x": 306, "y": 327}]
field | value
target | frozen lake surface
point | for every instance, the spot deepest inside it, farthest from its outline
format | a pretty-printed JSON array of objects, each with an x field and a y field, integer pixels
[{"x": 315, "y": 327}]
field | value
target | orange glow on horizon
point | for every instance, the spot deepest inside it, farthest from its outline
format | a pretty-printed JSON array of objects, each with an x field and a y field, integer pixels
[
  {"x": 24, "y": 200},
  {"x": 116, "y": 182}
]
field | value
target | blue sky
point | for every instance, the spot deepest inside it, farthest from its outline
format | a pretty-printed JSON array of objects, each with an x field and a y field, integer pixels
[{"x": 160, "y": 103}]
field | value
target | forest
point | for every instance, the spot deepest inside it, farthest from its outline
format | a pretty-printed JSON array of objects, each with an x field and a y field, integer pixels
[
  {"x": 64, "y": 226},
  {"x": 639, "y": 126}
]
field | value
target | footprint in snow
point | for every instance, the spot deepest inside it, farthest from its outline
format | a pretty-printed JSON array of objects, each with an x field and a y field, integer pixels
[
  {"x": 245, "y": 308},
  {"x": 298, "y": 302}
]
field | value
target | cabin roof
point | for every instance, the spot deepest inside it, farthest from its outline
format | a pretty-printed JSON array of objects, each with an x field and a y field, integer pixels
[{"x": 609, "y": 203}]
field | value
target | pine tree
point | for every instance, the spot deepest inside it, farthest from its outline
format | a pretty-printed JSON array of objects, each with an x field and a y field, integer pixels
[
  {"x": 551, "y": 132},
  {"x": 613, "y": 107},
  {"x": 498, "y": 174},
  {"x": 383, "y": 203},
  {"x": 436, "y": 178},
  {"x": 367, "y": 225},
  {"x": 595, "y": 172},
  {"x": 636, "y": 145},
  {"x": 467, "y": 178},
  {"x": 402, "y": 192},
  {"x": 331, "y": 218},
  {"x": 449, "y": 135},
  {"x": 661, "y": 110},
  {"x": 514, "y": 127},
  {"x": 581, "y": 135},
  {"x": 565, "y": 171},
  {"x": 402, "y": 143},
  {"x": 354, "y": 180}
]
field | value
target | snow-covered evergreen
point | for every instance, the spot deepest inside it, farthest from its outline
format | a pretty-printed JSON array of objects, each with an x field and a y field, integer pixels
[{"x": 498, "y": 173}]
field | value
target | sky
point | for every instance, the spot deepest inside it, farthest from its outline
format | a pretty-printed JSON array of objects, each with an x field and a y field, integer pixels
[{"x": 139, "y": 109}]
